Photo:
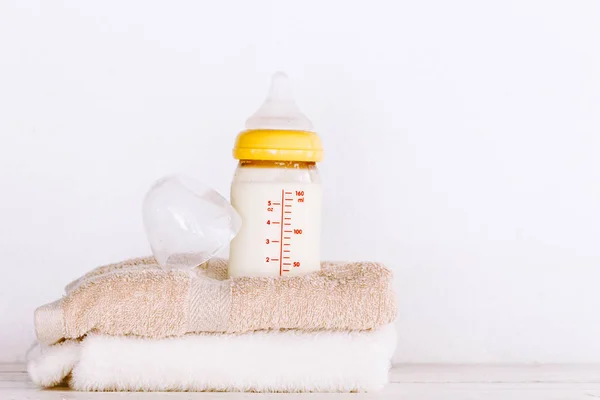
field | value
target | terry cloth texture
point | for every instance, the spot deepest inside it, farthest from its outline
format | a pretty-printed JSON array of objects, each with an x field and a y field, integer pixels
[
  {"x": 138, "y": 297},
  {"x": 288, "y": 361}
]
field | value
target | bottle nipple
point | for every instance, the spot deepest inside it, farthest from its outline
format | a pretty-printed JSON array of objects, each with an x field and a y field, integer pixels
[{"x": 279, "y": 110}]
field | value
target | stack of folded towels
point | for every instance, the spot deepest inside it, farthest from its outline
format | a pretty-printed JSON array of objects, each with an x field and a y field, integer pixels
[{"x": 134, "y": 326}]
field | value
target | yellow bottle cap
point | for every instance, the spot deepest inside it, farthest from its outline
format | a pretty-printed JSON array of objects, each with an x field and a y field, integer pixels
[{"x": 278, "y": 131}]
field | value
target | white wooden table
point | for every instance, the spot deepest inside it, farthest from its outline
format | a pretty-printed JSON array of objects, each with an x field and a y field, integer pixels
[{"x": 408, "y": 382}]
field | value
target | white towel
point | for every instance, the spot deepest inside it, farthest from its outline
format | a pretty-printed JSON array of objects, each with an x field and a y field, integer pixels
[{"x": 288, "y": 361}]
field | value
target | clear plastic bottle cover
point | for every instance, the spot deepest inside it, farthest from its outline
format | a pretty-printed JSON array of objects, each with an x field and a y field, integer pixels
[{"x": 187, "y": 222}]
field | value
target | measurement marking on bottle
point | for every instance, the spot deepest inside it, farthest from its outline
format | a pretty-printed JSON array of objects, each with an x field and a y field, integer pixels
[
  {"x": 286, "y": 232},
  {"x": 281, "y": 237}
]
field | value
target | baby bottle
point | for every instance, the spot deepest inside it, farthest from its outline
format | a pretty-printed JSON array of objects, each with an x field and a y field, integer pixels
[{"x": 277, "y": 190}]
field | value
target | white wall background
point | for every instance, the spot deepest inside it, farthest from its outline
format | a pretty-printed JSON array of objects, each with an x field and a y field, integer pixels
[{"x": 462, "y": 148}]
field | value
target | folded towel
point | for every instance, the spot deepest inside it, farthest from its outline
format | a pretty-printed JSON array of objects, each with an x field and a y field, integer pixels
[
  {"x": 140, "y": 298},
  {"x": 288, "y": 361}
]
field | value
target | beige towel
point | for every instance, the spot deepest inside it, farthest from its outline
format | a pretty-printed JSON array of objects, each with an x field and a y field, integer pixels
[{"x": 138, "y": 297}]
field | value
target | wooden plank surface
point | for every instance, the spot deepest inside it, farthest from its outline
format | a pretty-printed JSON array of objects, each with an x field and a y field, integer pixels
[{"x": 408, "y": 382}]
